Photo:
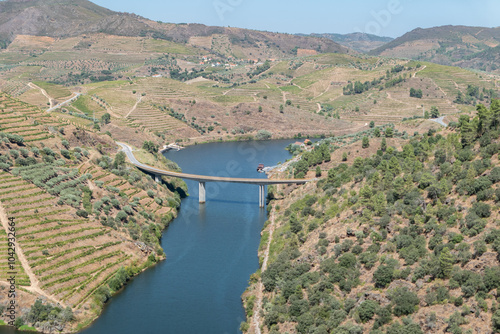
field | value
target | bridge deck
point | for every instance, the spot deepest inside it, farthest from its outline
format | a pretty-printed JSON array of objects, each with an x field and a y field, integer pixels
[{"x": 203, "y": 178}]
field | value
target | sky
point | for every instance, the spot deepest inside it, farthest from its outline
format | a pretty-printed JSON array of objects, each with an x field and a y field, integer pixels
[{"x": 391, "y": 18}]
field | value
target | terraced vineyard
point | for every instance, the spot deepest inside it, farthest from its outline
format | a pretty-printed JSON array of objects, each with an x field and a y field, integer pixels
[
  {"x": 15, "y": 88},
  {"x": 153, "y": 119},
  {"x": 17, "y": 117},
  {"x": 70, "y": 257},
  {"x": 109, "y": 181},
  {"x": 22, "y": 278}
]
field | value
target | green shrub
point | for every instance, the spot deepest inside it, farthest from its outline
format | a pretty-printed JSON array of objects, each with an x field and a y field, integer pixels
[
  {"x": 14, "y": 153},
  {"x": 405, "y": 301},
  {"x": 65, "y": 153},
  {"x": 82, "y": 213},
  {"x": 367, "y": 310},
  {"x": 113, "y": 189},
  {"x": 495, "y": 321},
  {"x": 114, "y": 202},
  {"x": 383, "y": 276},
  {"x": 48, "y": 151},
  {"x": 483, "y": 210},
  {"x": 368, "y": 259},
  {"x": 384, "y": 316},
  {"x": 244, "y": 326},
  {"x": 347, "y": 260},
  {"x": 16, "y": 139},
  {"x": 121, "y": 216},
  {"x": 365, "y": 142},
  {"x": 128, "y": 209}
]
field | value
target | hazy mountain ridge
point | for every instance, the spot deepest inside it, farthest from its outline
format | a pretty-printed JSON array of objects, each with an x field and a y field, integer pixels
[
  {"x": 63, "y": 19},
  {"x": 73, "y": 18},
  {"x": 447, "y": 45},
  {"x": 358, "y": 41}
]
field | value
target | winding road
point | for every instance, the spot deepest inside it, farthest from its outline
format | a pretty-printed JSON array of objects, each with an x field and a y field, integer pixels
[
  {"x": 64, "y": 103},
  {"x": 439, "y": 120},
  {"x": 43, "y": 91}
]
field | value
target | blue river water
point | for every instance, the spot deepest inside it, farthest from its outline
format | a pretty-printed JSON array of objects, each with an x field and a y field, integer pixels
[{"x": 211, "y": 250}]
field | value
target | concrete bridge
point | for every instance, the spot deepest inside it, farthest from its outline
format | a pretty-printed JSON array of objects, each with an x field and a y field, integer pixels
[{"x": 202, "y": 179}]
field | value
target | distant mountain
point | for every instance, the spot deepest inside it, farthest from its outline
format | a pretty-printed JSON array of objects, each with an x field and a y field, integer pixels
[
  {"x": 64, "y": 18},
  {"x": 358, "y": 41},
  {"x": 472, "y": 47},
  {"x": 487, "y": 60}
]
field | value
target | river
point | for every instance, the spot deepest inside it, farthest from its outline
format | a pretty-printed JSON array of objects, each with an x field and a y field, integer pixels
[{"x": 211, "y": 250}]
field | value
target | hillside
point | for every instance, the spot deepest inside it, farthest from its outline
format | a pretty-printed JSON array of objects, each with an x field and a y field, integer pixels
[
  {"x": 84, "y": 220},
  {"x": 487, "y": 60},
  {"x": 54, "y": 18},
  {"x": 360, "y": 42},
  {"x": 400, "y": 237},
  {"x": 62, "y": 19},
  {"x": 343, "y": 254},
  {"x": 196, "y": 83},
  {"x": 447, "y": 45},
  {"x": 177, "y": 92}
]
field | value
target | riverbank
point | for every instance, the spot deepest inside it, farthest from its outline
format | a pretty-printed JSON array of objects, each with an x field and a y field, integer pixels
[
  {"x": 78, "y": 264},
  {"x": 211, "y": 250},
  {"x": 231, "y": 139},
  {"x": 254, "y": 296},
  {"x": 163, "y": 222}
]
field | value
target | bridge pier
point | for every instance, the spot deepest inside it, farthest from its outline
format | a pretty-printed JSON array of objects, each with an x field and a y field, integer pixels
[
  {"x": 202, "y": 192},
  {"x": 202, "y": 179},
  {"x": 262, "y": 195}
]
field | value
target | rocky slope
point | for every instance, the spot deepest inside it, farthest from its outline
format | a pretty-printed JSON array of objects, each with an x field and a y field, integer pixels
[
  {"x": 404, "y": 241},
  {"x": 447, "y": 45}
]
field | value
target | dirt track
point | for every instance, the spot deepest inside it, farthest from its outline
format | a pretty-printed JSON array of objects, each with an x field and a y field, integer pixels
[
  {"x": 34, "y": 287},
  {"x": 260, "y": 286}
]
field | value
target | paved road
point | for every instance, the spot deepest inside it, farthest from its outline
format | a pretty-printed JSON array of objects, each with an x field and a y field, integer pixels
[
  {"x": 203, "y": 178},
  {"x": 63, "y": 103},
  {"x": 439, "y": 121}
]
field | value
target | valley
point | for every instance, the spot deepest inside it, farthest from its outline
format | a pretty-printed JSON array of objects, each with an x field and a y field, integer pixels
[{"x": 397, "y": 234}]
